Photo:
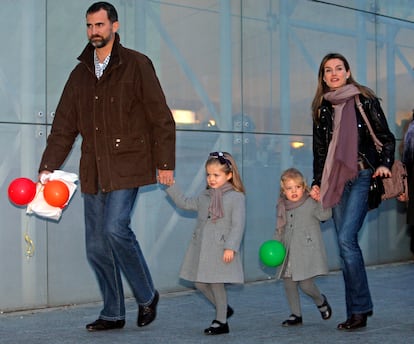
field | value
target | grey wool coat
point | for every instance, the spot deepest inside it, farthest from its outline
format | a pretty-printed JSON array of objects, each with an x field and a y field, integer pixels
[
  {"x": 203, "y": 261},
  {"x": 302, "y": 237}
]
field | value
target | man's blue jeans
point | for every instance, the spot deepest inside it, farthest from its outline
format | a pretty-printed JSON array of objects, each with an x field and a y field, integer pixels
[
  {"x": 111, "y": 247},
  {"x": 349, "y": 216}
]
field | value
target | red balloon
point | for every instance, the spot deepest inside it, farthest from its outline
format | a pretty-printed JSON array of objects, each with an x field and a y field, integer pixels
[
  {"x": 56, "y": 193},
  {"x": 22, "y": 191}
]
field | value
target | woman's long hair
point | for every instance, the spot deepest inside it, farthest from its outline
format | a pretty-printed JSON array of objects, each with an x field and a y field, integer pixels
[{"x": 323, "y": 88}]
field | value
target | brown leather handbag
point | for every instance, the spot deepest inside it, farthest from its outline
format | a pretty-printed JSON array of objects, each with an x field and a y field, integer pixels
[{"x": 395, "y": 185}]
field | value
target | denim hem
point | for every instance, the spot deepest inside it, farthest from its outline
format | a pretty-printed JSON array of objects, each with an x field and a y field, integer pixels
[
  {"x": 103, "y": 317},
  {"x": 149, "y": 302}
]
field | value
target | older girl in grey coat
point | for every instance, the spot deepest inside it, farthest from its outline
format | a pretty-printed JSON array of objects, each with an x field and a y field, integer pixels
[
  {"x": 298, "y": 228},
  {"x": 213, "y": 256}
]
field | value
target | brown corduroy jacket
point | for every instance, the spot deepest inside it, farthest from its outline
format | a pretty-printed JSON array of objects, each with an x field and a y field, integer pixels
[{"x": 126, "y": 126}]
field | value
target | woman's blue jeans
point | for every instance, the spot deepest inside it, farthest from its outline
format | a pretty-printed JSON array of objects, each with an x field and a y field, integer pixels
[
  {"x": 111, "y": 247},
  {"x": 349, "y": 216}
]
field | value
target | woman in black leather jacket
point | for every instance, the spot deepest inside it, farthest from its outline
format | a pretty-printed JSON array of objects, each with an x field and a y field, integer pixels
[{"x": 345, "y": 158}]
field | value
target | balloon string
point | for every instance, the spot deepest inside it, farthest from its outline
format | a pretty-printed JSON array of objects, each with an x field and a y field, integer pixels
[{"x": 30, "y": 248}]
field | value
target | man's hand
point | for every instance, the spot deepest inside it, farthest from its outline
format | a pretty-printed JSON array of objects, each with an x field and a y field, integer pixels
[
  {"x": 44, "y": 176},
  {"x": 166, "y": 177}
]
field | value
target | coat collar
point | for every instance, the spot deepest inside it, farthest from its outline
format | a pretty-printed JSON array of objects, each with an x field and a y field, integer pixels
[{"x": 87, "y": 58}]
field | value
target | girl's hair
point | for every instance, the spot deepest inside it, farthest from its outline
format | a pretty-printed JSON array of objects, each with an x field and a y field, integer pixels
[
  {"x": 323, "y": 88},
  {"x": 292, "y": 174},
  {"x": 228, "y": 165}
]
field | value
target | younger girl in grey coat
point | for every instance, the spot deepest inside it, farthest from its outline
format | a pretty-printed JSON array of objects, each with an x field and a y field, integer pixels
[
  {"x": 213, "y": 256},
  {"x": 298, "y": 228}
]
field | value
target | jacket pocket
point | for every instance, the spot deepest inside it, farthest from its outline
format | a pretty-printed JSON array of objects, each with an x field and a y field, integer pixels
[
  {"x": 131, "y": 155},
  {"x": 221, "y": 236}
]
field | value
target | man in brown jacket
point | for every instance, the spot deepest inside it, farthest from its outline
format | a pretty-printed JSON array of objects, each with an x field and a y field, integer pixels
[{"x": 113, "y": 99}]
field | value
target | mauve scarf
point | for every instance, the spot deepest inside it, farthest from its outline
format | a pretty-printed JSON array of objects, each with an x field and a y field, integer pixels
[
  {"x": 283, "y": 204},
  {"x": 216, "y": 201},
  {"x": 341, "y": 161}
]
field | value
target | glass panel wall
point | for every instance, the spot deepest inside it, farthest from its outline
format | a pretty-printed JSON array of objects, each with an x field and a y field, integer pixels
[
  {"x": 239, "y": 76},
  {"x": 23, "y": 263}
]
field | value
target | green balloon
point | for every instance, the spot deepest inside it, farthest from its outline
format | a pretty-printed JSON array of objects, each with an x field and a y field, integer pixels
[{"x": 272, "y": 253}]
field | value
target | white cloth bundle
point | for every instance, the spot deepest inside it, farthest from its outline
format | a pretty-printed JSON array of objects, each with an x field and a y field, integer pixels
[{"x": 39, "y": 206}]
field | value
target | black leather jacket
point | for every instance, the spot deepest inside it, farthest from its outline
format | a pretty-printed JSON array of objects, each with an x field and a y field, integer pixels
[{"x": 322, "y": 135}]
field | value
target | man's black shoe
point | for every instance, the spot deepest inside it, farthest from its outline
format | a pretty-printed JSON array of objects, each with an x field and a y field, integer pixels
[
  {"x": 103, "y": 325},
  {"x": 147, "y": 314}
]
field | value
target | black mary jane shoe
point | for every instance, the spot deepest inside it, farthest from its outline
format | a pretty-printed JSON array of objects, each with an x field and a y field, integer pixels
[
  {"x": 230, "y": 312},
  {"x": 293, "y": 320},
  {"x": 217, "y": 327},
  {"x": 147, "y": 314},
  {"x": 326, "y": 314},
  {"x": 354, "y": 322},
  {"x": 104, "y": 325}
]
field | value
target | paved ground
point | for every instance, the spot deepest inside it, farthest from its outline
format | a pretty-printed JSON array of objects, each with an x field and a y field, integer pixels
[{"x": 259, "y": 310}]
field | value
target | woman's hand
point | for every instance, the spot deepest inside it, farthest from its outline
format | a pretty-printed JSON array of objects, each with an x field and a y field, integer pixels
[
  {"x": 382, "y": 171},
  {"x": 315, "y": 193},
  {"x": 228, "y": 255}
]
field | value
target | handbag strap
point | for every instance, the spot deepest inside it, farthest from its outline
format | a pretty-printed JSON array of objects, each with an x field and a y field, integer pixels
[{"x": 378, "y": 143}]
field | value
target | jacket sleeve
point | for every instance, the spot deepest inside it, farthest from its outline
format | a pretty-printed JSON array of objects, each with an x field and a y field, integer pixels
[
  {"x": 380, "y": 126},
  {"x": 319, "y": 144},
  {"x": 408, "y": 152},
  {"x": 160, "y": 118},
  {"x": 63, "y": 133},
  {"x": 321, "y": 213},
  {"x": 180, "y": 200},
  {"x": 238, "y": 218}
]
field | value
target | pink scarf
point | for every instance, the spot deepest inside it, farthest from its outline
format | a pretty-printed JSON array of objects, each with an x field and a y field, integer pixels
[
  {"x": 283, "y": 204},
  {"x": 341, "y": 161},
  {"x": 216, "y": 201}
]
